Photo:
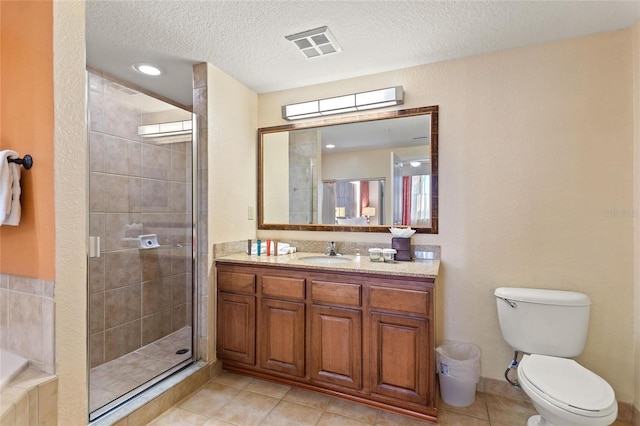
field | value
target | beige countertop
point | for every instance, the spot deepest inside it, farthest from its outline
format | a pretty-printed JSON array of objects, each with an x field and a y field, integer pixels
[{"x": 418, "y": 268}]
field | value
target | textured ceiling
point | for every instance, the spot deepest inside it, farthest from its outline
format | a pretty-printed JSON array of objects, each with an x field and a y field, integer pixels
[{"x": 246, "y": 39}]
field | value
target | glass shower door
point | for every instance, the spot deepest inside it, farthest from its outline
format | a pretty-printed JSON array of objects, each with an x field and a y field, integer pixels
[{"x": 141, "y": 234}]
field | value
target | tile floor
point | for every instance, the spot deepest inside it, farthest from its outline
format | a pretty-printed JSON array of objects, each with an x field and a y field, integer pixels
[
  {"x": 232, "y": 399},
  {"x": 115, "y": 378}
]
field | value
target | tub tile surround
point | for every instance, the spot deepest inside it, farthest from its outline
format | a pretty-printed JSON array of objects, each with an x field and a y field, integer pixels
[
  {"x": 27, "y": 320},
  {"x": 136, "y": 296},
  {"x": 30, "y": 399}
]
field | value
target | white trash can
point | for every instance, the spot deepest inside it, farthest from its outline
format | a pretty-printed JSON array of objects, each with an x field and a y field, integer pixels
[{"x": 459, "y": 371}]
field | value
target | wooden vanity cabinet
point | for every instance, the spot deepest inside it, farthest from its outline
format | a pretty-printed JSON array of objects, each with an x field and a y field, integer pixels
[
  {"x": 364, "y": 337},
  {"x": 401, "y": 344},
  {"x": 236, "y": 318},
  {"x": 281, "y": 331},
  {"x": 336, "y": 334}
]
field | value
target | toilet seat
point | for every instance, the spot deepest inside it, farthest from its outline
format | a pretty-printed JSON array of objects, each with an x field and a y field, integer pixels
[{"x": 567, "y": 385}]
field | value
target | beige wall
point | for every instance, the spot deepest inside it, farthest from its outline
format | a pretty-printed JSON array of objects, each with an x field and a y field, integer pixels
[
  {"x": 535, "y": 163},
  {"x": 70, "y": 144},
  {"x": 232, "y": 158},
  {"x": 231, "y": 176},
  {"x": 636, "y": 204},
  {"x": 276, "y": 187}
]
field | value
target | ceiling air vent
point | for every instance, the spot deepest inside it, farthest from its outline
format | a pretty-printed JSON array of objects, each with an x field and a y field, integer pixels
[{"x": 314, "y": 43}]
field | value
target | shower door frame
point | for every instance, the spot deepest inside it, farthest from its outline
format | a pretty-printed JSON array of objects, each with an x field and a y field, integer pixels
[{"x": 97, "y": 413}]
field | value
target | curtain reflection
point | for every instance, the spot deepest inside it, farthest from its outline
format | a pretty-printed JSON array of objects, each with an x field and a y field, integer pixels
[
  {"x": 346, "y": 197},
  {"x": 364, "y": 196},
  {"x": 416, "y": 200},
  {"x": 406, "y": 200}
]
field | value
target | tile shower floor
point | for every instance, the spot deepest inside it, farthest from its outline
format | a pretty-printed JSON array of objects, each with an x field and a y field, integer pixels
[
  {"x": 115, "y": 378},
  {"x": 232, "y": 399}
]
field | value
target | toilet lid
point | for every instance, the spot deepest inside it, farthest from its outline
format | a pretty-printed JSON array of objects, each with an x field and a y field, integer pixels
[{"x": 568, "y": 383}]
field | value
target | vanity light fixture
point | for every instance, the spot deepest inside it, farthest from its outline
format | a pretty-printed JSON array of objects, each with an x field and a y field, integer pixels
[
  {"x": 347, "y": 103},
  {"x": 316, "y": 42},
  {"x": 330, "y": 146},
  {"x": 147, "y": 69},
  {"x": 163, "y": 133},
  {"x": 165, "y": 129}
]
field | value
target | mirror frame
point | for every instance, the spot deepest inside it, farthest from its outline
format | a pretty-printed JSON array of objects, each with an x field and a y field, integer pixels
[{"x": 432, "y": 110}]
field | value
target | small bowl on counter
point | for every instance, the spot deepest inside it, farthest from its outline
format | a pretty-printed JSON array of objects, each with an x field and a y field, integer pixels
[
  {"x": 388, "y": 255},
  {"x": 375, "y": 255}
]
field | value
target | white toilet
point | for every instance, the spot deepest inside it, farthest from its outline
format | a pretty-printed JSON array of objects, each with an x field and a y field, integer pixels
[{"x": 549, "y": 327}]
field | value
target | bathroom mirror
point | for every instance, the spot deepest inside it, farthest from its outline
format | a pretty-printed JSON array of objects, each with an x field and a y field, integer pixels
[{"x": 363, "y": 173}]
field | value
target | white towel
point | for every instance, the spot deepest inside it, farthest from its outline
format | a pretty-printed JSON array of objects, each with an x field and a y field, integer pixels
[{"x": 9, "y": 189}]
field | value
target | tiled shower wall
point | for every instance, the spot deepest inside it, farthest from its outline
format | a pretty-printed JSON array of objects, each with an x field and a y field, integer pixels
[
  {"x": 201, "y": 109},
  {"x": 136, "y": 295},
  {"x": 27, "y": 319},
  {"x": 304, "y": 160}
]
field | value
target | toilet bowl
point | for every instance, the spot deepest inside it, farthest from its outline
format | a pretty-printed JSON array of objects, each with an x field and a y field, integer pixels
[
  {"x": 550, "y": 327},
  {"x": 565, "y": 393}
]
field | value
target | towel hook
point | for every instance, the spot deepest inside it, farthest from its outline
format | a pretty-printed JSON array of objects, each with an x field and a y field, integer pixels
[{"x": 26, "y": 162}]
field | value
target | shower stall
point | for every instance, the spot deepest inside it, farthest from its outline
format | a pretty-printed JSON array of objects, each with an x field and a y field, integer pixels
[{"x": 141, "y": 236}]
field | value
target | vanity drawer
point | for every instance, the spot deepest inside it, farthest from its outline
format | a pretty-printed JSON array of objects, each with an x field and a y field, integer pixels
[
  {"x": 394, "y": 299},
  {"x": 236, "y": 282},
  {"x": 336, "y": 293},
  {"x": 283, "y": 287}
]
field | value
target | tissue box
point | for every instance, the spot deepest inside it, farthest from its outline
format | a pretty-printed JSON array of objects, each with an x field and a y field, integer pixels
[{"x": 403, "y": 248}]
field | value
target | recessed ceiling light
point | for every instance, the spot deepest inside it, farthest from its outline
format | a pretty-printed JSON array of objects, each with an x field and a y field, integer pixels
[
  {"x": 147, "y": 69},
  {"x": 330, "y": 146}
]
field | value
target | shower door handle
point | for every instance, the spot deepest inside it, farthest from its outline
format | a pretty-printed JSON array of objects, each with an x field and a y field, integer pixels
[{"x": 94, "y": 246}]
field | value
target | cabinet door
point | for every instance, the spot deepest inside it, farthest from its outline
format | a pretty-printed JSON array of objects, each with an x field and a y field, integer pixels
[
  {"x": 236, "y": 328},
  {"x": 400, "y": 357},
  {"x": 281, "y": 331},
  {"x": 336, "y": 346}
]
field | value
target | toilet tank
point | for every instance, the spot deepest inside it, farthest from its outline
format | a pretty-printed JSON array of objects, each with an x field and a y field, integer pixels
[{"x": 546, "y": 322}]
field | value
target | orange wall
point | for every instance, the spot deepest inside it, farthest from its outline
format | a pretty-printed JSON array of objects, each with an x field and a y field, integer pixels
[{"x": 26, "y": 126}]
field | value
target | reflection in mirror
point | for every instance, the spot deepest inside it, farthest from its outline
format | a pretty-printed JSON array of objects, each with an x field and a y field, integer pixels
[
  {"x": 363, "y": 173},
  {"x": 352, "y": 202}
]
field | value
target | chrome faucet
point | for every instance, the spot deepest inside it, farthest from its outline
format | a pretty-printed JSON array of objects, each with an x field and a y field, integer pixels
[{"x": 331, "y": 250}]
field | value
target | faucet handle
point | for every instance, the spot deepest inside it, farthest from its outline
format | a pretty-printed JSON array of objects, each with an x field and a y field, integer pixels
[{"x": 332, "y": 248}]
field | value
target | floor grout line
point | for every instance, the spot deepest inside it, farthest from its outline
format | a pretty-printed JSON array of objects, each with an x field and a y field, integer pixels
[{"x": 506, "y": 412}]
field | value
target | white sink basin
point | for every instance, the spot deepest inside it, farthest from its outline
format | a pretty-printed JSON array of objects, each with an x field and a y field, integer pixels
[{"x": 326, "y": 259}]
